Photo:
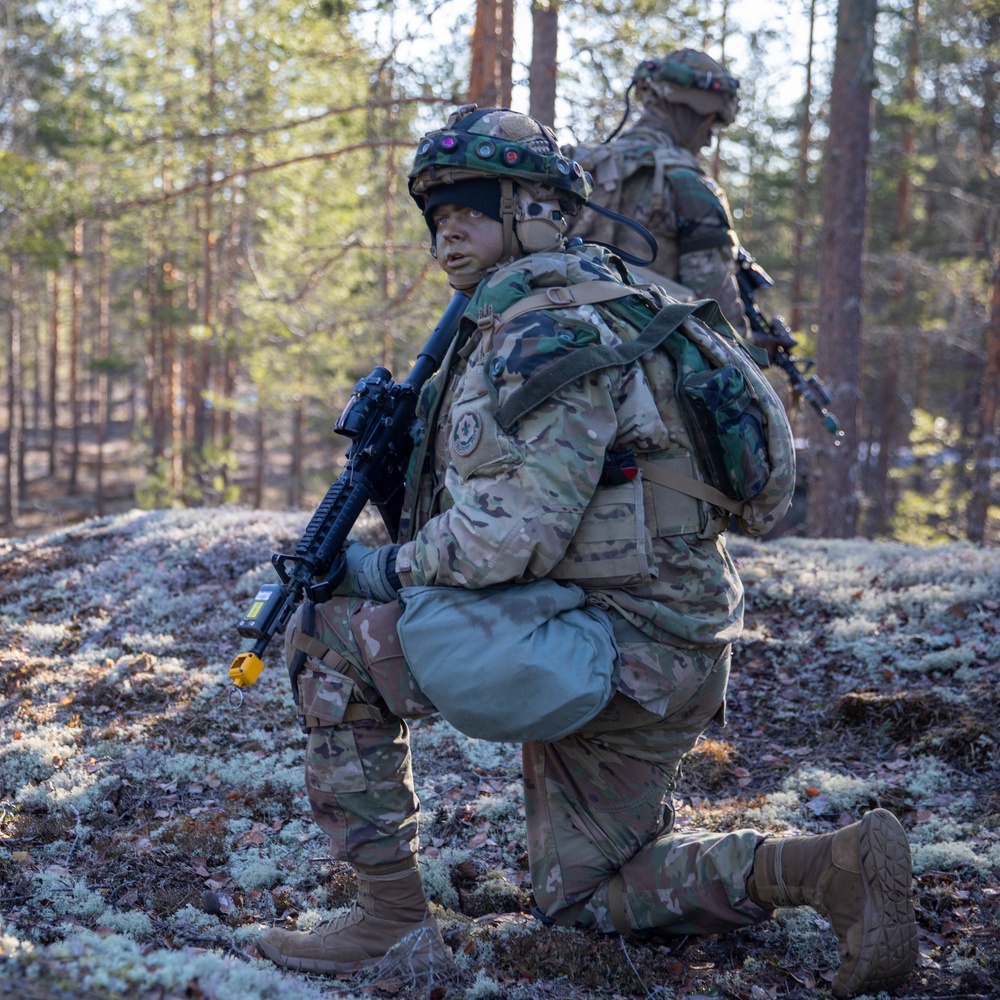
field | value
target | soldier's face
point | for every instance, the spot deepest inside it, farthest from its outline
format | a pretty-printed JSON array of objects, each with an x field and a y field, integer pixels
[{"x": 468, "y": 241}]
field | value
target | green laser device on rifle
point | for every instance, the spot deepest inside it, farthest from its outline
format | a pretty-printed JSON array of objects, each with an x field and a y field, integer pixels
[
  {"x": 378, "y": 419},
  {"x": 751, "y": 276}
]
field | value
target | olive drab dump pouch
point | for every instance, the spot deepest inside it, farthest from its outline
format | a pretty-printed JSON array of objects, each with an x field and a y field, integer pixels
[
  {"x": 727, "y": 426},
  {"x": 743, "y": 443},
  {"x": 528, "y": 662}
]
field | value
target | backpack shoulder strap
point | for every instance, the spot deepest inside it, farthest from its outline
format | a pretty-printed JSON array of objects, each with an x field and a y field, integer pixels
[
  {"x": 565, "y": 296},
  {"x": 570, "y": 367}
]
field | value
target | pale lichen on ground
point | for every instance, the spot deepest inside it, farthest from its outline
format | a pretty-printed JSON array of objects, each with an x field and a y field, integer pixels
[{"x": 132, "y": 789}]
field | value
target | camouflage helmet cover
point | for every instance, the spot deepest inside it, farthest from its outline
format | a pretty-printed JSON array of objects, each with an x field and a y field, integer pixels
[
  {"x": 496, "y": 142},
  {"x": 692, "y": 78}
]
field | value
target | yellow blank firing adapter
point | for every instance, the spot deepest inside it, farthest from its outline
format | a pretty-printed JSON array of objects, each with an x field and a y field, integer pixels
[{"x": 246, "y": 669}]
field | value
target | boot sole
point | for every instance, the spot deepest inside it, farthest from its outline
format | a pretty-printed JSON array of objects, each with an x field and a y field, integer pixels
[
  {"x": 321, "y": 966},
  {"x": 888, "y": 950},
  {"x": 420, "y": 962}
]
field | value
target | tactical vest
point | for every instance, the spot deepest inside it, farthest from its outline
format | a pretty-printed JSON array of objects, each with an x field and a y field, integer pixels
[
  {"x": 631, "y": 176},
  {"x": 613, "y": 545}
]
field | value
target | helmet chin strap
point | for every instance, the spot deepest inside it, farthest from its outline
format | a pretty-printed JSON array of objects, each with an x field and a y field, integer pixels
[
  {"x": 465, "y": 282},
  {"x": 507, "y": 206},
  {"x": 703, "y": 134}
]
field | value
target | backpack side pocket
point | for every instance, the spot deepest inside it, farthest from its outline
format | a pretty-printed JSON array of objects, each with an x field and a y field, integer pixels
[{"x": 727, "y": 425}]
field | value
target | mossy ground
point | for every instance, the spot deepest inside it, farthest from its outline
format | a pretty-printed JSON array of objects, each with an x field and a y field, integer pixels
[{"x": 149, "y": 828}]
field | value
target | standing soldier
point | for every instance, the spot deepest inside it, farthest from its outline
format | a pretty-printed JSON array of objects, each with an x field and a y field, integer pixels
[{"x": 652, "y": 174}]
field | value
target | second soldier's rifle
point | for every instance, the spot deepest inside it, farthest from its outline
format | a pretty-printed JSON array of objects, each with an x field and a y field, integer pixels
[
  {"x": 751, "y": 276},
  {"x": 378, "y": 419}
]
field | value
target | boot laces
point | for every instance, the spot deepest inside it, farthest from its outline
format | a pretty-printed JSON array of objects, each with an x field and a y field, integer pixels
[{"x": 352, "y": 915}]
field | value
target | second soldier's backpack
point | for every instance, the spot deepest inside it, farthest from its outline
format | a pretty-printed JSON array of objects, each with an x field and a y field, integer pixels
[
  {"x": 612, "y": 167},
  {"x": 742, "y": 440},
  {"x": 630, "y": 176}
]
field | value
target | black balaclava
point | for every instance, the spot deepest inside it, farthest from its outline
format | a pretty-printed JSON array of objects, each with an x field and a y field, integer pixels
[{"x": 482, "y": 194}]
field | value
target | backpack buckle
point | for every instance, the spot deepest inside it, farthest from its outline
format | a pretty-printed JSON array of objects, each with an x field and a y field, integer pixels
[{"x": 560, "y": 295}]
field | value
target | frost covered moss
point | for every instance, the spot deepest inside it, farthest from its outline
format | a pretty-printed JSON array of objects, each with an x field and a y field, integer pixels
[
  {"x": 133, "y": 924},
  {"x": 252, "y": 871}
]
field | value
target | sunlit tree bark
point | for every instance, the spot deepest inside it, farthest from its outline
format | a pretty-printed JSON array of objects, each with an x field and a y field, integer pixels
[
  {"x": 75, "y": 333},
  {"x": 986, "y": 445},
  {"x": 800, "y": 195},
  {"x": 15, "y": 413},
  {"x": 891, "y": 405},
  {"x": 543, "y": 71},
  {"x": 986, "y": 449},
  {"x": 490, "y": 78},
  {"x": 52, "y": 374},
  {"x": 103, "y": 352},
  {"x": 833, "y": 502}
]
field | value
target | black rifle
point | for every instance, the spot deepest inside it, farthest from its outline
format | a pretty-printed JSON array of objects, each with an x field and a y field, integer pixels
[
  {"x": 751, "y": 276},
  {"x": 378, "y": 419}
]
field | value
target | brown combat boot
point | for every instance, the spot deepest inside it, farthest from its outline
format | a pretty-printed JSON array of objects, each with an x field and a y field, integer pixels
[
  {"x": 859, "y": 879},
  {"x": 391, "y": 906}
]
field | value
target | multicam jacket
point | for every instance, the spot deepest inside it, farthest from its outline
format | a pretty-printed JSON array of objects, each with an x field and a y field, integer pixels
[{"x": 487, "y": 507}]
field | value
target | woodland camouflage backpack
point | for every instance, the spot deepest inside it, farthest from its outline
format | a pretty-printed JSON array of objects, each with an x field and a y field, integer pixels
[{"x": 742, "y": 440}]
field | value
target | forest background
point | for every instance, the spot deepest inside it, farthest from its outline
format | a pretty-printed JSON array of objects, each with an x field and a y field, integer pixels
[
  {"x": 207, "y": 237},
  {"x": 206, "y": 240}
]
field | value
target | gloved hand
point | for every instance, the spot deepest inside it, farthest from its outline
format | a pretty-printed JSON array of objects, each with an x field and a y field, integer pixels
[{"x": 371, "y": 573}]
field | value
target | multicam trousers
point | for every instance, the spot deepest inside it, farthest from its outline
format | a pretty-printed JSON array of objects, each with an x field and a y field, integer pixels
[{"x": 601, "y": 845}]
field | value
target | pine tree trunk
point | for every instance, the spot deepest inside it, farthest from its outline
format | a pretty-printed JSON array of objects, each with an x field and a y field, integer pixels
[
  {"x": 259, "y": 457},
  {"x": 15, "y": 415},
  {"x": 800, "y": 195},
  {"x": 505, "y": 55},
  {"x": 890, "y": 431},
  {"x": 75, "y": 326},
  {"x": 153, "y": 361},
  {"x": 833, "y": 502},
  {"x": 296, "y": 486},
  {"x": 542, "y": 72},
  {"x": 986, "y": 445},
  {"x": 103, "y": 352},
  {"x": 483, "y": 81},
  {"x": 52, "y": 397}
]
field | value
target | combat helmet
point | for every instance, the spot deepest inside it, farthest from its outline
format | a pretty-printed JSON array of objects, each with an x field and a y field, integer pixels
[
  {"x": 692, "y": 78},
  {"x": 538, "y": 186}
]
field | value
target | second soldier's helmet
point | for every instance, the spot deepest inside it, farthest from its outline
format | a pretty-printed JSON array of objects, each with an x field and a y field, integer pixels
[
  {"x": 537, "y": 184},
  {"x": 692, "y": 78}
]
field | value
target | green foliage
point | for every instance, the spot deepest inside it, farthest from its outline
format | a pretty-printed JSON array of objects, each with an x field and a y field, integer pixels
[
  {"x": 155, "y": 492},
  {"x": 932, "y": 498},
  {"x": 271, "y": 145}
]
